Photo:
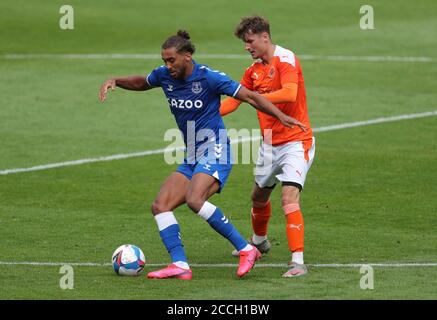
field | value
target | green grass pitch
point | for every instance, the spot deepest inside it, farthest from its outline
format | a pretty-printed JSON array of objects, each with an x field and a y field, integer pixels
[{"x": 370, "y": 196}]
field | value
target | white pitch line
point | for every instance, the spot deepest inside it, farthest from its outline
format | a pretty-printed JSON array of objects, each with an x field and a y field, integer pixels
[
  {"x": 89, "y": 160},
  {"x": 165, "y": 150},
  {"x": 376, "y": 121},
  {"x": 367, "y": 58},
  {"x": 226, "y": 265},
  {"x": 151, "y": 56}
]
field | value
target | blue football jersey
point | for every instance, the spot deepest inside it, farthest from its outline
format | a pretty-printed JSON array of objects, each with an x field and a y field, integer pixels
[{"x": 195, "y": 102}]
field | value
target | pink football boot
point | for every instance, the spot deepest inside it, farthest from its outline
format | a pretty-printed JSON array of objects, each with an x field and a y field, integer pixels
[
  {"x": 247, "y": 260},
  {"x": 171, "y": 271}
]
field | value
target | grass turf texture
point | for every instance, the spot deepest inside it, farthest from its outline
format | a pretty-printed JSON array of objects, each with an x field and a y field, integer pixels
[{"x": 370, "y": 195}]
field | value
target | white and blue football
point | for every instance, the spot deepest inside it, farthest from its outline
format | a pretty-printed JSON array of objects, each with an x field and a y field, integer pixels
[{"x": 128, "y": 260}]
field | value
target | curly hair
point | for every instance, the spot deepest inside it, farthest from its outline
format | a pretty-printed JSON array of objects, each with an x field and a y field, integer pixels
[
  {"x": 253, "y": 24},
  {"x": 180, "y": 41}
]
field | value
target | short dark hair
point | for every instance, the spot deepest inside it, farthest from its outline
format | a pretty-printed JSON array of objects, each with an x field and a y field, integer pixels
[
  {"x": 180, "y": 41},
  {"x": 253, "y": 24}
]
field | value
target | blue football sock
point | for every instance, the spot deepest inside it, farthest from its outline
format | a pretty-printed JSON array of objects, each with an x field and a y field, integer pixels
[
  {"x": 172, "y": 240},
  {"x": 222, "y": 225}
]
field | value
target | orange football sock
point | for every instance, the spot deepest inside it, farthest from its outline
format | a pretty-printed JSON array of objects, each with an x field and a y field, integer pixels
[
  {"x": 295, "y": 227},
  {"x": 260, "y": 217}
]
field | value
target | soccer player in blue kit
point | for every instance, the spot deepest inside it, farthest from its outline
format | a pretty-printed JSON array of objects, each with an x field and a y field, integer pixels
[{"x": 193, "y": 92}]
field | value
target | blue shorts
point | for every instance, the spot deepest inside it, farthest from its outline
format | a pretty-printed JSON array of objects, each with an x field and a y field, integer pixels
[{"x": 217, "y": 167}]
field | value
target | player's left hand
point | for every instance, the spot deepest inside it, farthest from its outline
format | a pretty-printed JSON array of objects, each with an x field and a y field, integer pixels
[
  {"x": 104, "y": 89},
  {"x": 291, "y": 122}
]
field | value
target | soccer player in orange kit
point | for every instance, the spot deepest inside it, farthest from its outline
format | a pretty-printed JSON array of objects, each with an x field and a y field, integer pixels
[{"x": 277, "y": 75}]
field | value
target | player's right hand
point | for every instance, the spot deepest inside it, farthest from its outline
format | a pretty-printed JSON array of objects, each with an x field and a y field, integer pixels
[
  {"x": 291, "y": 122},
  {"x": 104, "y": 89}
]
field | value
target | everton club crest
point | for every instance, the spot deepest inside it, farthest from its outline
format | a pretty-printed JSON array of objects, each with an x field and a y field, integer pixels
[{"x": 197, "y": 87}]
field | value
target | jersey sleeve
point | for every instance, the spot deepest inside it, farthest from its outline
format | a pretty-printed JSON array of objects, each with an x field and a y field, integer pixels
[
  {"x": 222, "y": 84},
  {"x": 288, "y": 72},
  {"x": 154, "y": 78},
  {"x": 247, "y": 80}
]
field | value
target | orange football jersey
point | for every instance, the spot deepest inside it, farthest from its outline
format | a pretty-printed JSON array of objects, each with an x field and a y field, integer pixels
[{"x": 284, "y": 68}]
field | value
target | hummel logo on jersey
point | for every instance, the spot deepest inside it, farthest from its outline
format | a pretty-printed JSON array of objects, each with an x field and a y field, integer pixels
[
  {"x": 170, "y": 87},
  {"x": 218, "y": 150},
  {"x": 291, "y": 226},
  {"x": 225, "y": 220}
]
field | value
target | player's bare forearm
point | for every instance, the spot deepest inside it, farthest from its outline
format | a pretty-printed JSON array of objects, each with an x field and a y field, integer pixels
[
  {"x": 263, "y": 105},
  {"x": 259, "y": 102},
  {"x": 287, "y": 94},
  {"x": 253, "y": 103},
  {"x": 135, "y": 83}
]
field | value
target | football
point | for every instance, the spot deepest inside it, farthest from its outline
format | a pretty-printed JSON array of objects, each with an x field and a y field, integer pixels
[{"x": 128, "y": 260}]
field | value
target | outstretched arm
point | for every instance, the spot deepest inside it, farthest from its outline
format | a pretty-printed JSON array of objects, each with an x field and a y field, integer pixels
[
  {"x": 263, "y": 105},
  {"x": 136, "y": 83},
  {"x": 286, "y": 94},
  {"x": 229, "y": 105}
]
